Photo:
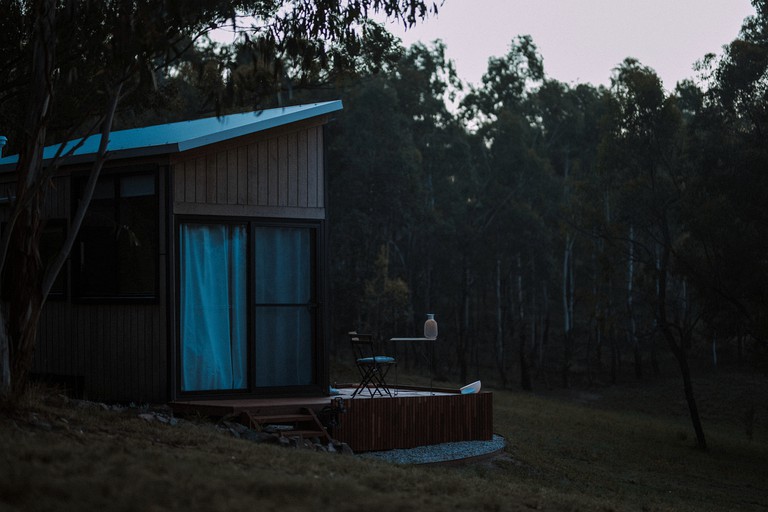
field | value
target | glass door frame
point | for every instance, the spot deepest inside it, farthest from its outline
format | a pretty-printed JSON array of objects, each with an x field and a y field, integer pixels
[{"x": 319, "y": 321}]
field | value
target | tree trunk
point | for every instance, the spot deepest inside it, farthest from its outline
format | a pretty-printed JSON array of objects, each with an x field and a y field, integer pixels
[
  {"x": 567, "y": 290},
  {"x": 544, "y": 339},
  {"x": 29, "y": 172},
  {"x": 631, "y": 328},
  {"x": 525, "y": 369},
  {"x": 677, "y": 347},
  {"x": 24, "y": 292},
  {"x": 615, "y": 357},
  {"x": 682, "y": 361},
  {"x": 30, "y": 284},
  {"x": 499, "y": 338},
  {"x": 5, "y": 358},
  {"x": 461, "y": 351},
  {"x": 654, "y": 356}
]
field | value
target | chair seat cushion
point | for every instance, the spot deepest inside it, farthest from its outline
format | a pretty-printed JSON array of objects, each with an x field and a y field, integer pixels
[{"x": 376, "y": 359}]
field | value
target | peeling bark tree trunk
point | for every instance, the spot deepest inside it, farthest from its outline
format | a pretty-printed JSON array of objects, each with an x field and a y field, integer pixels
[
  {"x": 24, "y": 291},
  {"x": 23, "y": 268},
  {"x": 568, "y": 298},
  {"x": 631, "y": 329},
  {"x": 27, "y": 284}
]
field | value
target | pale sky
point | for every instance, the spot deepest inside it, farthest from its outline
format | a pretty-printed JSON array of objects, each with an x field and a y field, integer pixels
[{"x": 583, "y": 40}]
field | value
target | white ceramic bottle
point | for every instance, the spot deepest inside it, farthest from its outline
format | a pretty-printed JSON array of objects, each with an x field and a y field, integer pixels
[{"x": 430, "y": 327}]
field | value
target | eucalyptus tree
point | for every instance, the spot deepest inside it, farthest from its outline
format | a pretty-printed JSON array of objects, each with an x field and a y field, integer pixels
[
  {"x": 400, "y": 168},
  {"x": 69, "y": 64},
  {"x": 374, "y": 183},
  {"x": 569, "y": 121},
  {"x": 644, "y": 148},
  {"x": 510, "y": 212},
  {"x": 729, "y": 224}
]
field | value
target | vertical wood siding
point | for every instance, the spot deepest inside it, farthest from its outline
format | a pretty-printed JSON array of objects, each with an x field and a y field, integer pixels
[
  {"x": 408, "y": 422},
  {"x": 282, "y": 171},
  {"x": 118, "y": 350},
  {"x": 115, "y": 348}
]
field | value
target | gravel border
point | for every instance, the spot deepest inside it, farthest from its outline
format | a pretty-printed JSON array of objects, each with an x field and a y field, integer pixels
[{"x": 437, "y": 453}]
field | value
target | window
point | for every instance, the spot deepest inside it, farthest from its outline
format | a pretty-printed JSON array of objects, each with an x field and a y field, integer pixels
[
  {"x": 247, "y": 306},
  {"x": 116, "y": 254}
]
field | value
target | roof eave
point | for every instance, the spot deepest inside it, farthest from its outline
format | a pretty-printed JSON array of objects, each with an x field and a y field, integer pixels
[
  {"x": 315, "y": 111},
  {"x": 111, "y": 155}
]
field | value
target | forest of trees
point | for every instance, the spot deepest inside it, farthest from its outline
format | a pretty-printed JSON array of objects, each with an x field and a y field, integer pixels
[
  {"x": 572, "y": 228},
  {"x": 561, "y": 233}
]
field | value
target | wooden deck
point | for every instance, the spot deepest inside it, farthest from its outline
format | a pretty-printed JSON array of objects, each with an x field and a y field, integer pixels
[{"x": 411, "y": 417}]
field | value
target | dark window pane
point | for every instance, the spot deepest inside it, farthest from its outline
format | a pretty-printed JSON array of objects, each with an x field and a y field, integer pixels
[
  {"x": 137, "y": 186},
  {"x": 137, "y": 245},
  {"x": 283, "y": 265},
  {"x": 118, "y": 241}
]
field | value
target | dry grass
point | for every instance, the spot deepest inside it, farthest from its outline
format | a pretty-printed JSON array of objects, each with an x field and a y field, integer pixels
[{"x": 608, "y": 449}]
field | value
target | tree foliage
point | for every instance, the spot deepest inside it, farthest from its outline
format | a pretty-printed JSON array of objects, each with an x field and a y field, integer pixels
[
  {"x": 68, "y": 65},
  {"x": 557, "y": 229}
]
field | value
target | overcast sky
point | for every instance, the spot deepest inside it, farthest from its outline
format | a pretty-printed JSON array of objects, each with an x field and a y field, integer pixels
[{"x": 583, "y": 40}]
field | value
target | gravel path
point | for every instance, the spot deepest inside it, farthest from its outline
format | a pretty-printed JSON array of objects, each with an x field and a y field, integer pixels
[{"x": 438, "y": 452}]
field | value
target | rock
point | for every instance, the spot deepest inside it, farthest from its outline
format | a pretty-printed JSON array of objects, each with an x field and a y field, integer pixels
[
  {"x": 42, "y": 424},
  {"x": 277, "y": 428},
  {"x": 235, "y": 427},
  {"x": 344, "y": 449},
  {"x": 259, "y": 437},
  {"x": 148, "y": 417},
  {"x": 87, "y": 404}
]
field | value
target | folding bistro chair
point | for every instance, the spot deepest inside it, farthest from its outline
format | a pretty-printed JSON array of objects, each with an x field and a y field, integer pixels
[{"x": 373, "y": 368}]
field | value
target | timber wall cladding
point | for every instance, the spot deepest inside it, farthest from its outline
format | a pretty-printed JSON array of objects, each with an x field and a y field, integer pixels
[
  {"x": 282, "y": 171},
  {"x": 116, "y": 349}
]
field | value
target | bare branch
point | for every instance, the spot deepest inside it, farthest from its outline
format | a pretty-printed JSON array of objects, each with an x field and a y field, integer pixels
[{"x": 77, "y": 221}]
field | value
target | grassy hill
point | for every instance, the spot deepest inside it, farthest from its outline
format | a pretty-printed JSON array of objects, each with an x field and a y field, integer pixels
[{"x": 619, "y": 448}]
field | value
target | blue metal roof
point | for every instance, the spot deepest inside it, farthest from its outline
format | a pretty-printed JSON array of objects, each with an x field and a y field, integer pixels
[{"x": 186, "y": 135}]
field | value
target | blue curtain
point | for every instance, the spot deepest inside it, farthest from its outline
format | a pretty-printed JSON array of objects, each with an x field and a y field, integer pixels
[
  {"x": 283, "y": 266},
  {"x": 213, "y": 312}
]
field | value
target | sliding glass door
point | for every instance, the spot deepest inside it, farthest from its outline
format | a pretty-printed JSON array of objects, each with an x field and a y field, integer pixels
[
  {"x": 284, "y": 309},
  {"x": 248, "y": 306}
]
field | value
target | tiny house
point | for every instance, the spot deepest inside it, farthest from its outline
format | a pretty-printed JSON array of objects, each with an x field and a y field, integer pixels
[{"x": 199, "y": 269}]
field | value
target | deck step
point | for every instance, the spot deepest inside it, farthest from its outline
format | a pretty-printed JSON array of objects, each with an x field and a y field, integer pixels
[
  {"x": 305, "y": 423},
  {"x": 283, "y": 418}
]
